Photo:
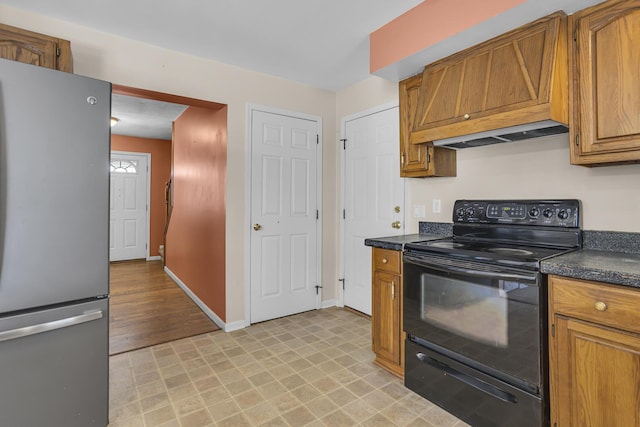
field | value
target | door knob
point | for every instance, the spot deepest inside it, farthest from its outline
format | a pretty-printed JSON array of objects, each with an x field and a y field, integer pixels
[
  {"x": 395, "y": 224},
  {"x": 257, "y": 227}
]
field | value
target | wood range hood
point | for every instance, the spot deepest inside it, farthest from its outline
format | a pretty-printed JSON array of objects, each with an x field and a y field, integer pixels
[{"x": 510, "y": 88}]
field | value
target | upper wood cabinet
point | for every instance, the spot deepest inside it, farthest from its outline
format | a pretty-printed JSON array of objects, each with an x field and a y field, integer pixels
[
  {"x": 419, "y": 160},
  {"x": 517, "y": 78},
  {"x": 605, "y": 94},
  {"x": 34, "y": 48}
]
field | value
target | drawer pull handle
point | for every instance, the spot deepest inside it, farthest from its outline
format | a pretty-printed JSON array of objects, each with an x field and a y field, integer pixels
[
  {"x": 600, "y": 306},
  {"x": 384, "y": 260}
]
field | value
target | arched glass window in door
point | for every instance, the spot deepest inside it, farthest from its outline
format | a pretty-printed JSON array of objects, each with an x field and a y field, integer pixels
[{"x": 124, "y": 166}]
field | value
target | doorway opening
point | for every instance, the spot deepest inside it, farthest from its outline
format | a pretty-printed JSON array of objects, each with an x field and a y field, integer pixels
[{"x": 177, "y": 225}]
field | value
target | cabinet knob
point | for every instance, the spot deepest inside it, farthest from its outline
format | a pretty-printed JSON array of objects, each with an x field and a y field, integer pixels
[
  {"x": 384, "y": 260},
  {"x": 600, "y": 306},
  {"x": 467, "y": 116},
  {"x": 257, "y": 227},
  {"x": 396, "y": 224}
]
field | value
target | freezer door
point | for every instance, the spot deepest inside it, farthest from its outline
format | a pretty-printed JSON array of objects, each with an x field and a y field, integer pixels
[
  {"x": 54, "y": 367},
  {"x": 54, "y": 186}
]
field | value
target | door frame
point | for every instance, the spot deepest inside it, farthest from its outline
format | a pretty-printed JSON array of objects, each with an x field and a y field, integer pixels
[
  {"x": 247, "y": 220},
  {"x": 147, "y": 230},
  {"x": 343, "y": 135}
]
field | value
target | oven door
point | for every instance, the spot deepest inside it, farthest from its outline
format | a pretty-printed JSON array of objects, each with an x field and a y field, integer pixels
[{"x": 482, "y": 315}]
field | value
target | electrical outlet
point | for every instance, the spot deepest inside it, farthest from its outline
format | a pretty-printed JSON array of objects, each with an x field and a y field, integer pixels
[
  {"x": 419, "y": 211},
  {"x": 437, "y": 206}
]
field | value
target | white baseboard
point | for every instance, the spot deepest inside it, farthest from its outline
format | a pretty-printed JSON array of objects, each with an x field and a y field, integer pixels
[
  {"x": 328, "y": 303},
  {"x": 154, "y": 258},
  {"x": 218, "y": 321}
]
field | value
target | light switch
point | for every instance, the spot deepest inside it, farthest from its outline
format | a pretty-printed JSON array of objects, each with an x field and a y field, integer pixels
[
  {"x": 437, "y": 206},
  {"x": 419, "y": 211}
]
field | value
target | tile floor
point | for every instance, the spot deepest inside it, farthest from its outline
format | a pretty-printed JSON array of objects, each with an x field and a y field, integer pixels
[{"x": 311, "y": 369}]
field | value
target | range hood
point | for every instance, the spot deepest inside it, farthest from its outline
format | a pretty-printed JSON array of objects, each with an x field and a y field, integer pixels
[{"x": 508, "y": 134}]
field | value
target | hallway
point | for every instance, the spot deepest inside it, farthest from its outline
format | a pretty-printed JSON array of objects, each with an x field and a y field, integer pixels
[{"x": 148, "y": 308}]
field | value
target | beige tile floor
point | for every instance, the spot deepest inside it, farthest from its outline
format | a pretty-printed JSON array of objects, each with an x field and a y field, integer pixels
[{"x": 311, "y": 369}]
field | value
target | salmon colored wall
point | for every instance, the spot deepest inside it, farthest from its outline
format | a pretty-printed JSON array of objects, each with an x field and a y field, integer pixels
[
  {"x": 160, "y": 150},
  {"x": 428, "y": 23},
  {"x": 195, "y": 250}
]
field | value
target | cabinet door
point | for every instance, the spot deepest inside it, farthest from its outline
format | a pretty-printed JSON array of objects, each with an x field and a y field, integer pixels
[
  {"x": 413, "y": 157},
  {"x": 597, "y": 371},
  {"x": 419, "y": 160},
  {"x": 33, "y": 48},
  {"x": 385, "y": 313},
  {"x": 605, "y": 62}
]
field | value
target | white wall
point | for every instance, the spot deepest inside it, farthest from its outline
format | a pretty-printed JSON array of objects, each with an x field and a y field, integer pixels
[
  {"x": 130, "y": 63},
  {"x": 536, "y": 169}
]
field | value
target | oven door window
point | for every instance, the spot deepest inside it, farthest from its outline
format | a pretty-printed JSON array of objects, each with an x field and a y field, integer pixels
[
  {"x": 489, "y": 319},
  {"x": 474, "y": 311}
]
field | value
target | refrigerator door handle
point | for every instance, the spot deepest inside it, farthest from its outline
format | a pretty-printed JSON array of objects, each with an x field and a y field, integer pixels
[{"x": 50, "y": 326}]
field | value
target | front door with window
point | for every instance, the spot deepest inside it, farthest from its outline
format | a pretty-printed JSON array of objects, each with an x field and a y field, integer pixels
[{"x": 128, "y": 215}]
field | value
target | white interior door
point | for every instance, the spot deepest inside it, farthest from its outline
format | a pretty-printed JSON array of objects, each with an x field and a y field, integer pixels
[
  {"x": 373, "y": 197},
  {"x": 128, "y": 212},
  {"x": 284, "y": 204}
]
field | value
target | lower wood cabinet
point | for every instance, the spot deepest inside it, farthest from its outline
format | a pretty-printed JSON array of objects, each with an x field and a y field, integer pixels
[
  {"x": 594, "y": 354},
  {"x": 386, "y": 310}
]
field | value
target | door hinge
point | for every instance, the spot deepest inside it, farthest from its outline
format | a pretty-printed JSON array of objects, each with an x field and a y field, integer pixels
[
  {"x": 577, "y": 139},
  {"x": 344, "y": 214},
  {"x": 344, "y": 143},
  {"x": 317, "y": 139},
  {"x": 575, "y": 36},
  {"x": 342, "y": 280},
  {"x": 428, "y": 158},
  {"x": 553, "y": 330},
  {"x": 57, "y": 52},
  {"x": 317, "y": 214},
  {"x": 318, "y": 287}
]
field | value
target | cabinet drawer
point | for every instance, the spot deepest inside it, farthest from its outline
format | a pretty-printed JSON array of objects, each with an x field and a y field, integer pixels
[
  {"x": 608, "y": 305},
  {"x": 386, "y": 260}
]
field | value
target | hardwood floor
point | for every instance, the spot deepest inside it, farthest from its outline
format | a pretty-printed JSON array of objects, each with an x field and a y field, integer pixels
[{"x": 147, "y": 308}]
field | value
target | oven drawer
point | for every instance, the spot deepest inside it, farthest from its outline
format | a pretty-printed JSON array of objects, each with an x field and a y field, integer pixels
[
  {"x": 608, "y": 305},
  {"x": 386, "y": 260},
  {"x": 470, "y": 395}
]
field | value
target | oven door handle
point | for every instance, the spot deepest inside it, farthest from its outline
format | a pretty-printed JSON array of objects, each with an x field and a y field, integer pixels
[
  {"x": 468, "y": 379},
  {"x": 470, "y": 271}
]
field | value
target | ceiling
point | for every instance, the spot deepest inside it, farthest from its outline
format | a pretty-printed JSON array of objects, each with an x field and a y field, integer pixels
[
  {"x": 322, "y": 43},
  {"x": 143, "y": 118}
]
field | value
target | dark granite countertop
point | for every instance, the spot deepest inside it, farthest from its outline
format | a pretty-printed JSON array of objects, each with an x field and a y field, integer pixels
[
  {"x": 397, "y": 243},
  {"x": 607, "y": 256},
  {"x": 602, "y": 266}
]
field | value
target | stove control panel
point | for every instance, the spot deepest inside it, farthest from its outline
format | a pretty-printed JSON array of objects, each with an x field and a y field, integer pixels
[{"x": 550, "y": 213}]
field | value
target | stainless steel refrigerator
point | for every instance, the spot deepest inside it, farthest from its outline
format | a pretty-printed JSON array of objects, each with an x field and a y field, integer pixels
[{"x": 54, "y": 247}]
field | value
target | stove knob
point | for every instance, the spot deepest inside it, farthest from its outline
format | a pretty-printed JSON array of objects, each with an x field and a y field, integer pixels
[
  {"x": 534, "y": 212},
  {"x": 470, "y": 211},
  {"x": 460, "y": 212},
  {"x": 547, "y": 213},
  {"x": 563, "y": 214}
]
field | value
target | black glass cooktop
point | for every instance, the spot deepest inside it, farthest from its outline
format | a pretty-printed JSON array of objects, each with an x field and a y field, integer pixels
[{"x": 491, "y": 252}]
